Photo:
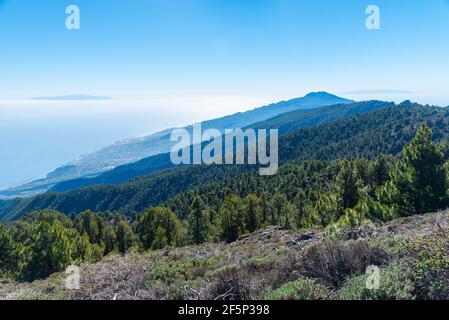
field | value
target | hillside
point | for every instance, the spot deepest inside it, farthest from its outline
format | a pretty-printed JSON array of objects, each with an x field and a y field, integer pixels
[
  {"x": 132, "y": 150},
  {"x": 285, "y": 123},
  {"x": 295, "y": 120},
  {"x": 7, "y": 205},
  {"x": 272, "y": 264},
  {"x": 384, "y": 131}
]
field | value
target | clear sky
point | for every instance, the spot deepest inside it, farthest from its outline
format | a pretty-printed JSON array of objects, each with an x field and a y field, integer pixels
[{"x": 219, "y": 51}]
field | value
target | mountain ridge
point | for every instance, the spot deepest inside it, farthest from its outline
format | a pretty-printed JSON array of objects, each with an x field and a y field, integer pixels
[
  {"x": 285, "y": 123},
  {"x": 383, "y": 131},
  {"x": 135, "y": 149}
]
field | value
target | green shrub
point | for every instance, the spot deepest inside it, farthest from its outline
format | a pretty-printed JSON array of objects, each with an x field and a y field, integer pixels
[
  {"x": 428, "y": 260},
  {"x": 185, "y": 290},
  {"x": 168, "y": 273},
  {"x": 395, "y": 284},
  {"x": 302, "y": 289},
  {"x": 261, "y": 262}
]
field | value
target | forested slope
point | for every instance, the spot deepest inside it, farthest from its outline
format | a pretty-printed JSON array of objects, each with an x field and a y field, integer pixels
[
  {"x": 132, "y": 150},
  {"x": 285, "y": 123},
  {"x": 384, "y": 131}
]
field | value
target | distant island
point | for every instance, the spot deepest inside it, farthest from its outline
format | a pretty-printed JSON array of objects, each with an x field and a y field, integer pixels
[{"x": 75, "y": 97}]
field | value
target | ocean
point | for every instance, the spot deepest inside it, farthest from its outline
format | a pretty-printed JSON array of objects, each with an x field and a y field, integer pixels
[{"x": 37, "y": 137}]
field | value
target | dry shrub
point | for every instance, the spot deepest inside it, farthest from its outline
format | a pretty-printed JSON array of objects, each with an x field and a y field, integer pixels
[
  {"x": 332, "y": 263},
  {"x": 117, "y": 278},
  {"x": 286, "y": 269},
  {"x": 229, "y": 283}
]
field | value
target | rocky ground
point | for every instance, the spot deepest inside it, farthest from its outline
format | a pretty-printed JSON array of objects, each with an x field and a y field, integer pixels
[{"x": 268, "y": 264}]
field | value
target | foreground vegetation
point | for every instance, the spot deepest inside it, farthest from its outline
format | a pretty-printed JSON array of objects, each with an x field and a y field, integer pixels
[{"x": 412, "y": 254}]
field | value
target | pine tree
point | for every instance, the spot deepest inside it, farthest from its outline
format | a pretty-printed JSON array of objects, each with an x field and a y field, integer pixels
[
  {"x": 379, "y": 171},
  {"x": 198, "y": 221},
  {"x": 89, "y": 224},
  {"x": 55, "y": 247},
  {"x": 110, "y": 240},
  {"x": 300, "y": 203},
  {"x": 160, "y": 239},
  {"x": 265, "y": 208},
  {"x": 125, "y": 237},
  {"x": 232, "y": 218},
  {"x": 419, "y": 180},
  {"x": 278, "y": 204},
  {"x": 154, "y": 218},
  {"x": 348, "y": 187},
  {"x": 282, "y": 211},
  {"x": 8, "y": 254},
  {"x": 253, "y": 212},
  {"x": 327, "y": 209}
]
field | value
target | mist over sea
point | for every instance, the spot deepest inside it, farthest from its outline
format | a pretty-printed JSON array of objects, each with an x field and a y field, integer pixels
[{"x": 37, "y": 137}]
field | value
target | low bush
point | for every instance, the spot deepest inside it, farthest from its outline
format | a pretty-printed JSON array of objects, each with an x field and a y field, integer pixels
[
  {"x": 333, "y": 263},
  {"x": 168, "y": 273},
  {"x": 115, "y": 278},
  {"x": 394, "y": 284},
  {"x": 428, "y": 260},
  {"x": 302, "y": 289},
  {"x": 261, "y": 263},
  {"x": 228, "y": 283}
]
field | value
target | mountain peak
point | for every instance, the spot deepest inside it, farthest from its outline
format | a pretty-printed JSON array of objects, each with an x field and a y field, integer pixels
[
  {"x": 325, "y": 98},
  {"x": 320, "y": 94},
  {"x": 406, "y": 103}
]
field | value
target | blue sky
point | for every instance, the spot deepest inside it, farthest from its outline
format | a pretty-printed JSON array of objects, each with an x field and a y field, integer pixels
[{"x": 243, "y": 51}]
